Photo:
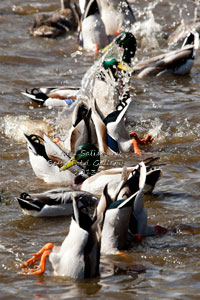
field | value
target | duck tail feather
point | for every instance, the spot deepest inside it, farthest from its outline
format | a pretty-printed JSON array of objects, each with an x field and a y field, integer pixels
[{"x": 27, "y": 205}]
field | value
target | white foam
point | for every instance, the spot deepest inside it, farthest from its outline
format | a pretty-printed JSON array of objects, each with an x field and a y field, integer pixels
[{"x": 14, "y": 127}]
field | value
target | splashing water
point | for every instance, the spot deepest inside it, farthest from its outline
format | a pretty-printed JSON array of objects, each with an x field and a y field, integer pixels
[
  {"x": 157, "y": 132},
  {"x": 113, "y": 51},
  {"x": 15, "y": 127},
  {"x": 106, "y": 94},
  {"x": 147, "y": 32}
]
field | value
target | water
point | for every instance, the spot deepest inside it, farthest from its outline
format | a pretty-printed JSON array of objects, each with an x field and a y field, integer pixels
[{"x": 165, "y": 267}]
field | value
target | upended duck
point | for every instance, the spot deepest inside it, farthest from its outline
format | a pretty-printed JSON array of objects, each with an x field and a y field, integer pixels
[
  {"x": 107, "y": 231},
  {"x": 178, "y": 62},
  {"x": 79, "y": 255},
  {"x": 118, "y": 211},
  {"x": 112, "y": 134},
  {"x": 82, "y": 129},
  {"x": 52, "y": 97},
  {"x": 56, "y": 202},
  {"x": 138, "y": 223},
  {"x": 109, "y": 134},
  {"x": 116, "y": 15},
  {"x": 119, "y": 226},
  {"x": 58, "y": 23},
  {"x": 92, "y": 34},
  {"x": 101, "y": 21}
]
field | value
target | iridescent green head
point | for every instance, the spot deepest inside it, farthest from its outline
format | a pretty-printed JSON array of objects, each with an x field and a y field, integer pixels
[
  {"x": 88, "y": 156},
  {"x": 127, "y": 41},
  {"x": 112, "y": 63}
]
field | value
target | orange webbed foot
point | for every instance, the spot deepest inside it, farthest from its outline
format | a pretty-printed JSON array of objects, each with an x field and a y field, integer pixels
[
  {"x": 40, "y": 269},
  {"x": 135, "y": 147},
  {"x": 147, "y": 140},
  {"x": 39, "y": 256},
  {"x": 137, "y": 141}
]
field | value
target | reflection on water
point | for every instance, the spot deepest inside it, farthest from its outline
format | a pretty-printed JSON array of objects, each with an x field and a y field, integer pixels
[{"x": 165, "y": 267}]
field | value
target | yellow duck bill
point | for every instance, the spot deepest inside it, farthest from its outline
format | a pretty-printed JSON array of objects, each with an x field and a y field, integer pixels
[{"x": 70, "y": 163}]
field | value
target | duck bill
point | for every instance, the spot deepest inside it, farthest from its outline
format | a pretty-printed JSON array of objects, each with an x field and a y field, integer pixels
[
  {"x": 123, "y": 66},
  {"x": 70, "y": 163}
]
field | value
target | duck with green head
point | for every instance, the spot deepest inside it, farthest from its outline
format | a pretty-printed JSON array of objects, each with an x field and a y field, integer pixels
[
  {"x": 88, "y": 155},
  {"x": 121, "y": 68},
  {"x": 107, "y": 80}
]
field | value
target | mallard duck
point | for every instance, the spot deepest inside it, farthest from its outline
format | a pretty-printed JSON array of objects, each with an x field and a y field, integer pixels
[
  {"x": 138, "y": 221},
  {"x": 92, "y": 34},
  {"x": 50, "y": 163},
  {"x": 177, "y": 62},
  {"x": 82, "y": 130},
  {"x": 112, "y": 133},
  {"x": 46, "y": 158},
  {"x": 58, "y": 23},
  {"x": 56, "y": 202},
  {"x": 102, "y": 20},
  {"x": 117, "y": 16},
  {"x": 107, "y": 80},
  {"x": 52, "y": 97},
  {"x": 118, "y": 213},
  {"x": 79, "y": 255},
  {"x": 119, "y": 226}
]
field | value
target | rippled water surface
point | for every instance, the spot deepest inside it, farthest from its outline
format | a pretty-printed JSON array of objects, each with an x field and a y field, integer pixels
[{"x": 166, "y": 267}]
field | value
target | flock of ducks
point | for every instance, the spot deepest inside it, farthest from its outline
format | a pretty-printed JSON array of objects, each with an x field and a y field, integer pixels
[{"x": 107, "y": 206}]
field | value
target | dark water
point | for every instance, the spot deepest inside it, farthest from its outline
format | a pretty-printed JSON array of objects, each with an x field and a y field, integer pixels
[{"x": 166, "y": 267}]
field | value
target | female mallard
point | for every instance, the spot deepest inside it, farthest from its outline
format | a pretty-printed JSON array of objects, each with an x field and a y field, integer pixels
[
  {"x": 179, "y": 62},
  {"x": 79, "y": 255},
  {"x": 56, "y": 202},
  {"x": 56, "y": 24}
]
